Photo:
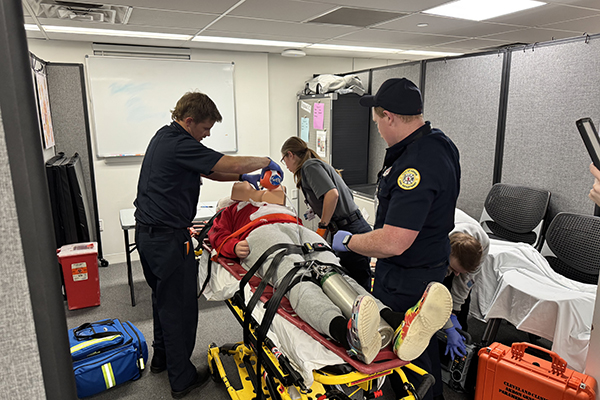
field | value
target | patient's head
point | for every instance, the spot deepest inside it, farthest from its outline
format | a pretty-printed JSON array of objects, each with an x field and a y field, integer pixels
[
  {"x": 244, "y": 191},
  {"x": 465, "y": 253}
]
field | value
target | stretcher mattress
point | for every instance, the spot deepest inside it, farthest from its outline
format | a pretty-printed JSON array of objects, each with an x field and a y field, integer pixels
[
  {"x": 307, "y": 349},
  {"x": 517, "y": 284}
]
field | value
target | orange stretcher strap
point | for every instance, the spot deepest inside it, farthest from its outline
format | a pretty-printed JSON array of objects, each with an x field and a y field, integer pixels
[{"x": 264, "y": 220}]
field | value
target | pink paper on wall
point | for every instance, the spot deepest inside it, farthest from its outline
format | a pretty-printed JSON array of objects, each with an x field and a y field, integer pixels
[{"x": 318, "y": 114}]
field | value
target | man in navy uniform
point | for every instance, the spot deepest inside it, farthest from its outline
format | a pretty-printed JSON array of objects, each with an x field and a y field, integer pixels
[
  {"x": 416, "y": 194},
  {"x": 168, "y": 192}
]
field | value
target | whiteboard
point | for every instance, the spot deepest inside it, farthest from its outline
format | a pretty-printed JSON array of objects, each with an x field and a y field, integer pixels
[{"x": 132, "y": 98}]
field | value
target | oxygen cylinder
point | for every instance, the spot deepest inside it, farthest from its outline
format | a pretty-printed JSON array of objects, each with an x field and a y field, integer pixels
[
  {"x": 339, "y": 291},
  {"x": 343, "y": 295}
]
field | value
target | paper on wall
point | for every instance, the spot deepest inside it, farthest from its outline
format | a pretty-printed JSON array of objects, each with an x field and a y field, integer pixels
[
  {"x": 304, "y": 128},
  {"x": 322, "y": 143}
]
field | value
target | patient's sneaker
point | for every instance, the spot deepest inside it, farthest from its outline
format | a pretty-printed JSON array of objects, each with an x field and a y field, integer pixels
[
  {"x": 422, "y": 321},
  {"x": 363, "y": 335}
]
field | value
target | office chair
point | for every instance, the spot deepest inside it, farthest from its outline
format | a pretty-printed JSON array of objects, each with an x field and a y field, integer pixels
[
  {"x": 515, "y": 213},
  {"x": 572, "y": 246}
]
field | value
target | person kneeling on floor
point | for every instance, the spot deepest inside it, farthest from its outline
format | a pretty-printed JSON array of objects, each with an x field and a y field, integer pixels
[{"x": 359, "y": 333}]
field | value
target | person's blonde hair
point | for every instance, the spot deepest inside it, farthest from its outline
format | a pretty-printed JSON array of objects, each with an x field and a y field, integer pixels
[
  {"x": 300, "y": 148},
  {"x": 198, "y": 106},
  {"x": 467, "y": 250},
  {"x": 407, "y": 119}
]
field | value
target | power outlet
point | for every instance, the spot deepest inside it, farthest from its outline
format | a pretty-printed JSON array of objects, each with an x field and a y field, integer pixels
[{"x": 101, "y": 225}]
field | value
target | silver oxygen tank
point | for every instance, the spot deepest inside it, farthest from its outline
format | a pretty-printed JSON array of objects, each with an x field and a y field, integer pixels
[{"x": 343, "y": 295}]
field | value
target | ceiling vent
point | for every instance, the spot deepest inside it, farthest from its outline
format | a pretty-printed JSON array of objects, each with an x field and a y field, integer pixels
[
  {"x": 356, "y": 17},
  {"x": 78, "y": 11}
]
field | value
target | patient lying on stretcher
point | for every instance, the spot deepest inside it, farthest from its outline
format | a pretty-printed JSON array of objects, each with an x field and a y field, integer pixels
[{"x": 243, "y": 231}]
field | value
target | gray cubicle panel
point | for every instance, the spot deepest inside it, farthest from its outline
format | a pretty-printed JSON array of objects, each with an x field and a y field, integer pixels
[
  {"x": 462, "y": 99},
  {"x": 550, "y": 88},
  {"x": 69, "y": 119},
  {"x": 377, "y": 145}
]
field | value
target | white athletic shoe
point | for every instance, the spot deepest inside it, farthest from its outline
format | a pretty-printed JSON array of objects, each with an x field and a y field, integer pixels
[
  {"x": 422, "y": 321},
  {"x": 363, "y": 329}
]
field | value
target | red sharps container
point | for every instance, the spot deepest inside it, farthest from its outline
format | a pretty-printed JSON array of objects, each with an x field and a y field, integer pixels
[{"x": 79, "y": 263}]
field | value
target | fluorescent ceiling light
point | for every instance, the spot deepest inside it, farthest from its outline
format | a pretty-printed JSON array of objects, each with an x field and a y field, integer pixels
[
  {"x": 31, "y": 27},
  {"x": 113, "y": 32},
  {"x": 353, "y": 48},
  {"x": 256, "y": 42},
  {"x": 431, "y": 53},
  {"x": 479, "y": 10}
]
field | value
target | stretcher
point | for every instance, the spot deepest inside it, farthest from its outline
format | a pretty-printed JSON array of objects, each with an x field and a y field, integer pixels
[{"x": 288, "y": 359}]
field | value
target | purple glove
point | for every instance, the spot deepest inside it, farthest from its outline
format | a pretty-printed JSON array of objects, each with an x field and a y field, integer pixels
[
  {"x": 455, "y": 322},
  {"x": 456, "y": 343},
  {"x": 253, "y": 179},
  {"x": 273, "y": 166},
  {"x": 338, "y": 238}
]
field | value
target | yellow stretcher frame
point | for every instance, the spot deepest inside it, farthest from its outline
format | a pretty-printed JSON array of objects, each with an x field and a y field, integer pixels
[{"x": 244, "y": 356}]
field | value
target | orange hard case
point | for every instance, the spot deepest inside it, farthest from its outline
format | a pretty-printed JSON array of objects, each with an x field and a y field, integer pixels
[{"x": 510, "y": 373}]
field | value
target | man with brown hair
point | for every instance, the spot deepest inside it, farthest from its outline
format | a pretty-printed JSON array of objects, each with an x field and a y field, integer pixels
[{"x": 167, "y": 196}]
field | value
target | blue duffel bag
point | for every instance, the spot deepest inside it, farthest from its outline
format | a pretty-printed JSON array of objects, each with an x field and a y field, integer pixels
[{"x": 105, "y": 354}]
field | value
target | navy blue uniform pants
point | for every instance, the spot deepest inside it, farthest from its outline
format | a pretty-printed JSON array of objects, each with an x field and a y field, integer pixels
[
  {"x": 356, "y": 265},
  {"x": 401, "y": 288},
  {"x": 171, "y": 272}
]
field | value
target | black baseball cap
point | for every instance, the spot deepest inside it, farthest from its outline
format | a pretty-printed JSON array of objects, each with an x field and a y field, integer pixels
[{"x": 397, "y": 95}]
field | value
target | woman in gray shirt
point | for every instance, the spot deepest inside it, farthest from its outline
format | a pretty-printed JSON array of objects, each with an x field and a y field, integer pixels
[{"x": 330, "y": 198}]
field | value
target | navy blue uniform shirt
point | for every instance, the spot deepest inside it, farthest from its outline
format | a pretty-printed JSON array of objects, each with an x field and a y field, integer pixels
[
  {"x": 170, "y": 178},
  {"x": 417, "y": 190}
]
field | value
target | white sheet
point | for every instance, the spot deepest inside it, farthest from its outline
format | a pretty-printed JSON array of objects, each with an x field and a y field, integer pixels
[
  {"x": 304, "y": 352},
  {"x": 517, "y": 284}
]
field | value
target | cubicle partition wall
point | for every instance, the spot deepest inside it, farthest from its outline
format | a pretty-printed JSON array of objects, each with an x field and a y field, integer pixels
[
  {"x": 462, "y": 98},
  {"x": 34, "y": 348},
  {"x": 66, "y": 89},
  {"x": 552, "y": 86},
  {"x": 377, "y": 145}
]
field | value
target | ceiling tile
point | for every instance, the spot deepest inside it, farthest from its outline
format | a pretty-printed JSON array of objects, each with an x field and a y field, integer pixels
[
  {"x": 590, "y": 25},
  {"x": 281, "y": 10},
  {"x": 594, "y": 4},
  {"x": 356, "y": 17},
  {"x": 469, "y": 44},
  {"x": 261, "y": 36},
  {"x": 98, "y": 25},
  {"x": 174, "y": 19},
  {"x": 243, "y": 25},
  {"x": 532, "y": 35},
  {"x": 397, "y": 38},
  {"x": 445, "y": 26},
  {"x": 201, "y": 6},
  {"x": 543, "y": 15},
  {"x": 117, "y": 40},
  {"x": 388, "y": 5}
]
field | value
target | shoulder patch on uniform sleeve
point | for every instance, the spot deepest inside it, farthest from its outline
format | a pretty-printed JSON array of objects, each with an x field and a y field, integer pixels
[{"x": 409, "y": 179}]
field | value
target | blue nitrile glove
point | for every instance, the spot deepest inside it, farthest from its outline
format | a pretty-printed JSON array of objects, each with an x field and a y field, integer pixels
[
  {"x": 253, "y": 179},
  {"x": 455, "y": 322},
  {"x": 456, "y": 343},
  {"x": 273, "y": 166},
  {"x": 338, "y": 238}
]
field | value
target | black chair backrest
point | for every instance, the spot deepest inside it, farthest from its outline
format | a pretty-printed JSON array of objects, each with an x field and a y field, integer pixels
[
  {"x": 572, "y": 246},
  {"x": 515, "y": 213}
]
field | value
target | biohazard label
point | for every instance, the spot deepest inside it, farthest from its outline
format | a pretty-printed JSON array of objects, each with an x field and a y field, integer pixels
[
  {"x": 515, "y": 392},
  {"x": 409, "y": 179},
  {"x": 79, "y": 271}
]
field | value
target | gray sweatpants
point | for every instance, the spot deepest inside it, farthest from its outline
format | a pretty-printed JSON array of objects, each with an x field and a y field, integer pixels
[{"x": 306, "y": 298}]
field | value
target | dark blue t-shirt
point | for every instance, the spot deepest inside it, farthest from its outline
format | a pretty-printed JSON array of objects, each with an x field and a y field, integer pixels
[
  {"x": 417, "y": 190},
  {"x": 170, "y": 178}
]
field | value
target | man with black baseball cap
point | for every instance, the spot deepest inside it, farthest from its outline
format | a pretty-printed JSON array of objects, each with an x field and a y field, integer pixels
[{"x": 417, "y": 190}]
